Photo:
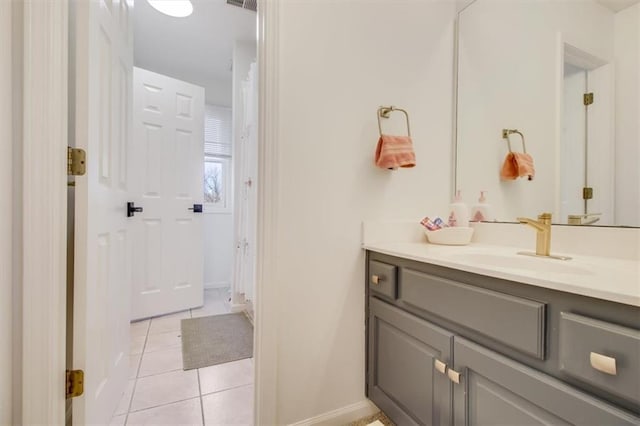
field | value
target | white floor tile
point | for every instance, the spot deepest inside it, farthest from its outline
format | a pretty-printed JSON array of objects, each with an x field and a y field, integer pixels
[
  {"x": 226, "y": 376},
  {"x": 160, "y": 362},
  {"x": 164, "y": 388},
  {"x": 123, "y": 405},
  {"x": 167, "y": 322},
  {"x": 139, "y": 328},
  {"x": 118, "y": 420},
  {"x": 230, "y": 407},
  {"x": 137, "y": 345},
  {"x": 179, "y": 413},
  {"x": 158, "y": 342},
  {"x": 134, "y": 363}
]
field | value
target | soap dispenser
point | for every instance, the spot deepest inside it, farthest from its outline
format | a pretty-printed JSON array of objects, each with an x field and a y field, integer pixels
[
  {"x": 481, "y": 212},
  {"x": 458, "y": 212}
]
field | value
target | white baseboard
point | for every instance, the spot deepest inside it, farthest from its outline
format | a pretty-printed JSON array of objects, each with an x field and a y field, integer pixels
[
  {"x": 341, "y": 416},
  {"x": 236, "y": 307},
  {"x": 217, "y": 284}
]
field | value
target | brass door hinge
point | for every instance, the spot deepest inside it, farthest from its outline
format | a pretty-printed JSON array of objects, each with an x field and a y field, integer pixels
[
  {"x": 74, "y": 383},
  {"x": 76, "y": 161},
  {"x": 587, "y": 99},
  {"x": 587, "y": 193}
]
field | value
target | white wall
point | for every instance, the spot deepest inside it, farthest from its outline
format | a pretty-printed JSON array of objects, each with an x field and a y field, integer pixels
[
  {"x": 509, "y": 67},
  {"x": 218, "y": 249},
  {"x": 17, "y": 52},
  {"x": 338, "y": 62},
  {"x": 627, "y": 53},
  {"x": 6, "y": 287}
]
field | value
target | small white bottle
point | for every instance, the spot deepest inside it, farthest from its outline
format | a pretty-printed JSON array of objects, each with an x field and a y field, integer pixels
[
  {"x": 481, "y": 212},
  {"x": 458, "y": 212}
]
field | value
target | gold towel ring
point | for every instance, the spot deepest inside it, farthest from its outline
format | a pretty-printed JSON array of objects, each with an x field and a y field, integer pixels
[
  {"x": 507, "y": 132},
  {"x": 384, "y": 112}
]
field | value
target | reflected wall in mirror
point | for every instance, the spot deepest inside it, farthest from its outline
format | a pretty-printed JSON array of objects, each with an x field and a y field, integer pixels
[{"x": 527, "y": 65}]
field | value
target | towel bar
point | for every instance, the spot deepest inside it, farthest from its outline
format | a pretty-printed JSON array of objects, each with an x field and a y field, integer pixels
[
  {"x": 385, "y": 111},
  {"x": 507, "y": 132}
]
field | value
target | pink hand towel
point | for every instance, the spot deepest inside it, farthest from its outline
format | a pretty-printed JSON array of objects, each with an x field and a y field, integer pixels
[
  {"x": 517, "y": 164},
  {"x": 395, "y": 151}
]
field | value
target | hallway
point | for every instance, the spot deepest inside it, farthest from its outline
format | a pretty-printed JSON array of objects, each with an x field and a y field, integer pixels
[{"x": 160, "y": 392}]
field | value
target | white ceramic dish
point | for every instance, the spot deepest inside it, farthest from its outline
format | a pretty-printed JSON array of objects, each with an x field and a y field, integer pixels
[{"x": 454, "y": 236}]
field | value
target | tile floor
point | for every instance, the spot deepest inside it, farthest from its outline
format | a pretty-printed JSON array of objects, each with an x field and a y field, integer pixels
[{"x": 159, "y": 392}]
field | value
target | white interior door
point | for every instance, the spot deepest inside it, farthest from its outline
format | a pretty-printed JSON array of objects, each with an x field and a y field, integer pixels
[
  {"x": 168, "y": 153},
  {"x": 600, "y": 144},
  {"x": 101, "y": 58}
]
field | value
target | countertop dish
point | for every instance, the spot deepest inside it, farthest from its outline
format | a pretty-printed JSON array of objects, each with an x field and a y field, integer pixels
[{"x": 616, "y": 280}]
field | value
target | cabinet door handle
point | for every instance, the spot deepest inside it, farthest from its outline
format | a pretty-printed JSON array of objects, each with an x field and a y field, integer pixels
[
  {"x": 454, "y": 376},
  {"x": 375, "y": 279},
  {"x": 603, "y": 363},
  {"x": 440, "y": 366}
]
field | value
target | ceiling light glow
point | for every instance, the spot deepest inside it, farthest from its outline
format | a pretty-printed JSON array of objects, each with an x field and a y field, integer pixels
[{"x": 175, "y": 8}]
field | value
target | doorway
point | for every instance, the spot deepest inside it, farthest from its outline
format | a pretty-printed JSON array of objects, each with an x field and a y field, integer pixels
[{"x": 179, "y": 62}]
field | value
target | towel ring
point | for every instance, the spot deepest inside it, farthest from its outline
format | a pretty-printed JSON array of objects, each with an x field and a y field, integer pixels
[
  {"x": 507, "y": 132},
  {"x": 384, "y": 112}
]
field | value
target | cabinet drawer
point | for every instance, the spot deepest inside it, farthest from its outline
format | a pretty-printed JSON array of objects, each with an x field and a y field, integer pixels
[
  {"x": 383, "y": 278},
  {"x": 514, "y": 321},
  {"x": 602, "y": 354}
]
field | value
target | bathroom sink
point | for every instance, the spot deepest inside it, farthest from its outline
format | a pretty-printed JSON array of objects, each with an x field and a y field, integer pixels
[{"x": 516, "y": 261}]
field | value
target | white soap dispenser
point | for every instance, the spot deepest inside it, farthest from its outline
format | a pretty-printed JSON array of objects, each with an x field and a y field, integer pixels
[
  {"x": 481, "y": 212},
  {"x": 458, "y": 212}
]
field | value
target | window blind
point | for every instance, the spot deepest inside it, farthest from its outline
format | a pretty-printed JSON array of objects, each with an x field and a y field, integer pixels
[{"x": 217, "y": 131}]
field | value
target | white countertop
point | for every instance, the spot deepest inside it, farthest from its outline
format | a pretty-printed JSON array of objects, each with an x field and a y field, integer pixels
[{"x": 616, "y": 280}]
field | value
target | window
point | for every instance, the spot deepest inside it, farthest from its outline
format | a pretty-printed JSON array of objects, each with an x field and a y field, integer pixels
[{"x": 217, "y": 159}]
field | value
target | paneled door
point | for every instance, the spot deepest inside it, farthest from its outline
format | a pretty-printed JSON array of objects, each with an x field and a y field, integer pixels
[
  {"x": 168, "y": 158},
  {"x": 101, "y": 66}
]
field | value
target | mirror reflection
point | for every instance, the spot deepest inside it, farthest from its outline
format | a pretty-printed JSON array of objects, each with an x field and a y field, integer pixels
[{"x": 564, "y": 76}]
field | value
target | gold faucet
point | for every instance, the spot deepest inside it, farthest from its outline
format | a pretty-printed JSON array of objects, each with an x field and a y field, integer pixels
[{"x": 543, "y": 232}]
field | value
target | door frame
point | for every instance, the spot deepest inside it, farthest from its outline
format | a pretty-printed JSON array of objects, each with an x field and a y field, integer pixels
[
  {"x": 46, "y": 49},
  {"x": 44, "y": 207}
]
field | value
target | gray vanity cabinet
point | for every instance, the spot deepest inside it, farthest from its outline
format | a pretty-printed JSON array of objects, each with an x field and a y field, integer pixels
[
  {"x": 495, "y": 390},
  {"x": 405, "y": 353},
  {"x": 447, "y": 347}
]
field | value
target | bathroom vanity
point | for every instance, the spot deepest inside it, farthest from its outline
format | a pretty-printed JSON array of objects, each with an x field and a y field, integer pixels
[{"x": 460, "y": 345}]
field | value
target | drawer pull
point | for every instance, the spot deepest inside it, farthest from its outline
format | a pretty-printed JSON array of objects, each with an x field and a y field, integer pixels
[
  {"x": 454, "y": 376},
  {"x": 375, "y": 279},
  {"x": 440, "y": 366},
  {"x": 605, "y": 364}
]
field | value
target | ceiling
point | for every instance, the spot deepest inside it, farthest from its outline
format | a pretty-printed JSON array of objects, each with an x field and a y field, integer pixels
[
  {"x": 617, "y": 5},
  {"x": 198, "y": 48}
]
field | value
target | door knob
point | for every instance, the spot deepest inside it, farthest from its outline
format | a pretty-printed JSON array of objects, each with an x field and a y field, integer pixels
[
  {"x": 132, "y": 209},
  {"x": 197, "y": 208}
]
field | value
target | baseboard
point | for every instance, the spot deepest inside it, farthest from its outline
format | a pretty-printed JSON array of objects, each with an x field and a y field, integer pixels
[
  {"x": 341, "y": 416},
  {"x": 217, "y": 284},
  {"x": 236, "y": 307}
]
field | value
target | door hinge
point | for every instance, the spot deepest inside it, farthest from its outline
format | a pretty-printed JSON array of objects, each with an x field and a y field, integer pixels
[
  {"x": 587, "y": 99},
  {"x": 587, "y": 193},
  {"x": 76, "y": 161},
  {"x": 74, "y": 383}
]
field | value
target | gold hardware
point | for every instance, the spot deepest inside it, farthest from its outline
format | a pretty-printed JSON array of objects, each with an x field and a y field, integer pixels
[
  {"x": 385, "y": 112},
  {"x": 440, "y": 366},
  {"x": 375, "y": 279},
  {"x": 587, "y": 99},
  {"x": 507, "y": 132},
  {"x": 603, "y": 363},
  {"x": 543, "y": 232},
  {"x": 583, "y": 219},
  {"x": 74, "y": 383},
  {"x": 587, "y": 193},
  {"x": 76, "y": 161},
  {"x": 454, "y": 376}
]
